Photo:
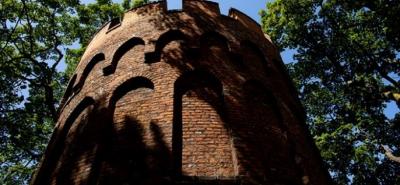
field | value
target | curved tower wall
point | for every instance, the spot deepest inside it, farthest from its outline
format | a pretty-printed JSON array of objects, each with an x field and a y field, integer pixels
[{"x": 181, "y": 97}]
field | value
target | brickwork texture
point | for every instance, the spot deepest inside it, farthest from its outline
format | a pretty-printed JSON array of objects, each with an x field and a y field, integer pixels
[{"x": 181, "y": 97}]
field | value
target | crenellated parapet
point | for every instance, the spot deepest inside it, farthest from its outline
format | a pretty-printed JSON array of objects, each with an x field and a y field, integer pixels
[{"x": 190, "y": 7}]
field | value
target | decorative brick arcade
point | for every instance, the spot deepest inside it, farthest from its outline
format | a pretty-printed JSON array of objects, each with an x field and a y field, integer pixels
[{"x": 181, "y": 97}]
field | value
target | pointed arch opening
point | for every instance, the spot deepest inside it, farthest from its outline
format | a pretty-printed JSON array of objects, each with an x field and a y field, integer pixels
[
  {"x": 121, "y": 51},
  {"x": 57, "y": 146},
  {"x": 201, "y": 145},
  {"x": 125, "y": 150},
  {"x": 254, "y": 58},
  {"x": 129, "y": 85},
  {"x": 213, "y": 38},
  {"x": 263, "y": 100},
  {"x": 163, "y": 40},
  {"x": 69, "y": 90},
  {"x": 89, "y": 67},
  {"x": 264, "y": 119}
]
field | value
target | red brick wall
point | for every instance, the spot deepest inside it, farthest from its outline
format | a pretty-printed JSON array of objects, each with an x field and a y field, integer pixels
[
  {"x": 183, "y": 97},
  {"x": 207, "y": 149}
]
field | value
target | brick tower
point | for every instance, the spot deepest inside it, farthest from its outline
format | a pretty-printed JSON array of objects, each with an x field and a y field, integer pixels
[{"x": 181, "y": 97}]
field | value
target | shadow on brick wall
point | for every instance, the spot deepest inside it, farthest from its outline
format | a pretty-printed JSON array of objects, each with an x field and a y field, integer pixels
[{"x": 128, "y": 160}]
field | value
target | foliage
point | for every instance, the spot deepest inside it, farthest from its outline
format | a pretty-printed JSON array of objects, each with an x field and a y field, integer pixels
[
  {"x": 32, "y": 38},
  {"x": 127, "y": 4},
  {"x": 91, "y": 18},
  {"x": 35, "y": 36},
  {"x": 347, "y": 65}
]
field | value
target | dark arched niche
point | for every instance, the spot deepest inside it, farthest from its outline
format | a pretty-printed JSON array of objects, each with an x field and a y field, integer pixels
[
  {"x": 267, "y": 124},
  {"x": 125, "y": 151},
  {"x": 254, "y": 58},
  {"x": 198, "y": 103},
  {"x": 257, "y": 94},
  {"x": 56, "y": 148},
  {"x": 69, "y": 90},
  {"x": 197, "y": 79},
  {"x": 163, "y": 40},
  {"x": 121, "y": 51},
  {"x": 89, "y": 67},
  {"x": 254, "y": 48},
  {"x": 114, "y": 23},
  {"x": 212, "y": 38},
  {"x": 129, "y": 85}
]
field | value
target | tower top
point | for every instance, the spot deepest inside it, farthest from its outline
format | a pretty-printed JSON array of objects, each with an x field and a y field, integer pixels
[{"x": 193, "y": 6}]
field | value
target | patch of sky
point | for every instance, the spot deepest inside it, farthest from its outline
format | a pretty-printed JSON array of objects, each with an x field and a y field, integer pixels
[
  {"x": 23, "y": 92},
  {"x": 391, "y": 109},
  {"x": 380, "y": 157},
  {"x": 63, "y": 65},
  {"x": 358, "y": 144},
  {"x": 174, "y": 4},
  {"x": 251, "y": 9},
  {"x": 288, "y": 56}
]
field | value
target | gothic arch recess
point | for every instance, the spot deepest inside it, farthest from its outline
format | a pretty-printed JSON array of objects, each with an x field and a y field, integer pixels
[
  {"x": 129, "y": 85},
  {"x": 213, "y": 38},
  {"x": 254, "y": 48},
  {"x": 69, "y": 90},
  {"x": 196, "y": 91},
  {"x": 89, "y": 67},
  {"x": 201, "y": 78},
  {"x": 163, "y": 40},
  {"x": 58, "y": 145},
  {"x": 121, "y": 51},
  {"x": 256, "y": 93},
  {"x": 125, "y": 150},
  {"x": 252, "y": 52}
]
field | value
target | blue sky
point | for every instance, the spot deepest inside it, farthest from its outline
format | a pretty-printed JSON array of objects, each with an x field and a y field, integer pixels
[{"x": 250, "y": 7}]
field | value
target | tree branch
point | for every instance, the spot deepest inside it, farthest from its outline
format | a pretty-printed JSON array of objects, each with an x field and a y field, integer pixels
[
  {"x": 60, "y": 56},
  {"x": 49, "y": 100},
  {"x": 389, "y": 154},
  {"x": 29, "y": 24},
  {"x": 11, "y": 33},
  {"x": 378, "y": 68}
]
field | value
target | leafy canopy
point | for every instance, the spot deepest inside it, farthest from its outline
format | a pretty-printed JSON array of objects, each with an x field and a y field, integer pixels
[
  {"x": 36, "y": 37},
  {"x": 346, "y": 69},
  {"x": 41, "y": 42}
]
